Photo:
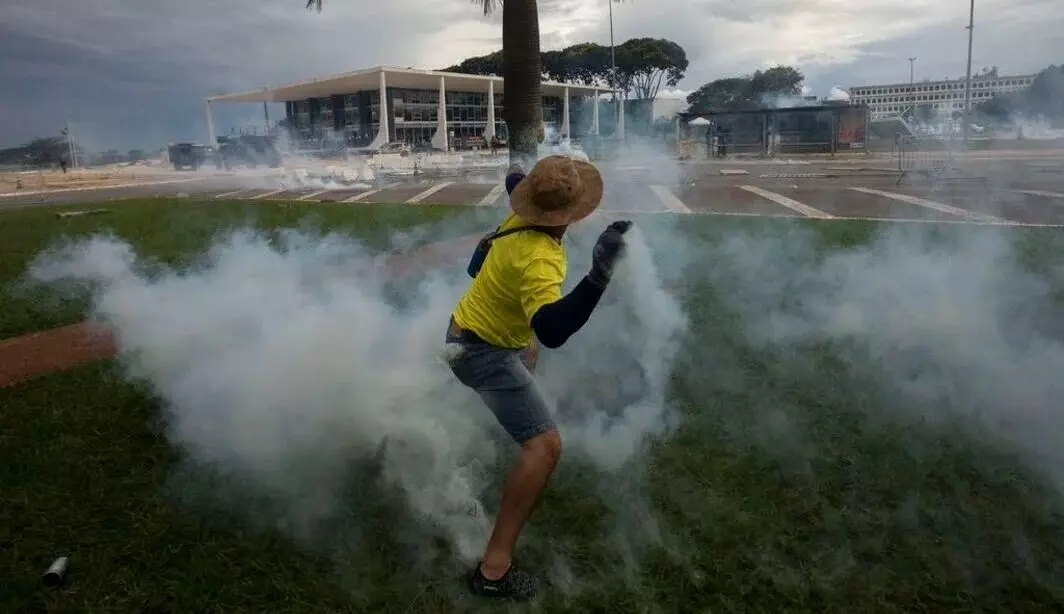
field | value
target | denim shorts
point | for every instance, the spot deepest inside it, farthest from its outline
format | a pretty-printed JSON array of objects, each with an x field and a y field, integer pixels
[{"x": 503, "y": 381}]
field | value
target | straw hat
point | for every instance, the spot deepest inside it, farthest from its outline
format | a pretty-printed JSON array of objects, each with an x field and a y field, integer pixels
[{"x": 558, "y": 191}]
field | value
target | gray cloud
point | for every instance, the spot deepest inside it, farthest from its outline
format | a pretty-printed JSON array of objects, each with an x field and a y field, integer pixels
[{"x": 135, "y": 73}]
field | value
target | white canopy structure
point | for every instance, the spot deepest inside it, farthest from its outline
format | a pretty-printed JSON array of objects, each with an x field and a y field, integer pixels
[{"x": 383, "y": 77}]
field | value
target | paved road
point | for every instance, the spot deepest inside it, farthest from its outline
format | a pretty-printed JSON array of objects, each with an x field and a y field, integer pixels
[{"x": 1002, "y": 193}]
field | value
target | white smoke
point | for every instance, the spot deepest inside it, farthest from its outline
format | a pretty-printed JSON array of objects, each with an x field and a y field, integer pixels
[
  {"x": 282, "y": 366},
  {"x": 943, "y": 324},
  {"x": 838, "y": 94}
]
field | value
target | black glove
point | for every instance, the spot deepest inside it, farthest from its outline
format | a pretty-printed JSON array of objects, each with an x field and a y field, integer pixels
[{"x": 608, "y": 250}]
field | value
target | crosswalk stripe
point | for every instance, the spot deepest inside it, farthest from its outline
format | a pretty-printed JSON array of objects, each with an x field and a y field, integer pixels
[
  {"x": 233, "y": 193},
  {"x": 492, "y": 196},
  {"x": 930, "y": 204},
  {"x": 368, "y": 193},
  {"x": 264, "y": 195},
  {"x": 786, "y": 201},
  {"x": 670, "y": 200},
  {"x": 1041, "y": 193},
  {"x": 429, "y": 192},
  {"x": 312, "y": 195}
]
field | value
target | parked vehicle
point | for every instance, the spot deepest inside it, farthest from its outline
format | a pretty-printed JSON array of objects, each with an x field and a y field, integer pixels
[
  {"x": 248, "y": 150},
  {"x": 188, "y": 155}
]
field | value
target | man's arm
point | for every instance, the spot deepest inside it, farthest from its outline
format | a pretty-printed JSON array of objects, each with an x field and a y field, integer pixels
[
  {"x": 555, "y": 322},
  {"x": 555, "y": 318}
]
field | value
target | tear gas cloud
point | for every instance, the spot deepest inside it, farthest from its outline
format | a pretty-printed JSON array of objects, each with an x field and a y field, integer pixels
[
  {"x": 944, "y": 324},
  {"x": 282, "y": 366}
]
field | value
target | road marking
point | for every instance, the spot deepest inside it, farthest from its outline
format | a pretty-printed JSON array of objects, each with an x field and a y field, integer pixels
[
  {"x": 936, "y": 206},
  {"x": 670, "y": 200},
  {"x": 1040, "y": 193},
  {"x": 841, "y": 218},
  {"x": 429, "y": 192},
  {"x": 360, "y": 196},
  {"x": 492, "y": 196},
  {"x": 789, "y": 203},
  {"x": 96, "y": 187},
  {"x": 265, "y": 194},
  {"x": 312, "y": 195},
  {"x": 233, "y": 193}
]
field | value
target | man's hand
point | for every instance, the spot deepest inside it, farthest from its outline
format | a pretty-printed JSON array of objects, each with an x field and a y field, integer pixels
[{"x": 609, "y": 248}]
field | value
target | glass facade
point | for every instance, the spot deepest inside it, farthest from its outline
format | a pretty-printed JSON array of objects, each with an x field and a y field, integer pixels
[{"x": 353, "y": 119}]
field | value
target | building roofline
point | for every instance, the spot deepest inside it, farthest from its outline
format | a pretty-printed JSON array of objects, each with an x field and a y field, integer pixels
[
  {"x": 266, "y": 93},
  {"x": 932, "y": 81},
  {"x": 820, "y": 107}
]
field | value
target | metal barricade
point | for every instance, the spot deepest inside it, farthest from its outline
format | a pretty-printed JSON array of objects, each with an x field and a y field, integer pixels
[{"x": 929, "y": 159}]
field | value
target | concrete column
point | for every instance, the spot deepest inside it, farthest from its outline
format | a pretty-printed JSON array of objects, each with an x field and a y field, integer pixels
[
  {"x": 382, "y": 137},
  {"x": 439, "y": 140},
  {"x": 565, "y": 112},
  {"x": 489, "y": 130},
  {"x": 211, "y": 137},
  {"x": 595, "y": 115}
]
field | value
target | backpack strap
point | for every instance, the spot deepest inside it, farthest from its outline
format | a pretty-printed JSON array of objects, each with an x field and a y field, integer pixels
[{"x": 509, "y": 231}]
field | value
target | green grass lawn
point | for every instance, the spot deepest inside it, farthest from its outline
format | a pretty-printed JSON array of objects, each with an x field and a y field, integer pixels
[
  {"x": 859, "y": 514},
  {"x": 172, "y": 230}
]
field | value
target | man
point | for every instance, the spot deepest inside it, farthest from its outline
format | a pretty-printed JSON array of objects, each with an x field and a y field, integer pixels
[{"x": 514, "y": 300}]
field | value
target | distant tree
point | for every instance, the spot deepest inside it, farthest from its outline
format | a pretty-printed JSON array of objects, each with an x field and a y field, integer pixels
[
  {"x": 585, "y": 63},
  {"x": 643, "y": 64},
  {"x": 1044, "y": 99},
  {"x": 46, "y": 151},
  {"x": 997, "y": 110},
  {"x": 778, "y": 80},
  {"x": 748, "y": 92},
  {"x": 1045, "y": 96},
  {"x": 924, "y": 113},
  {"x": 490, "y": 64},
  {"x": 727, "y": 94}
]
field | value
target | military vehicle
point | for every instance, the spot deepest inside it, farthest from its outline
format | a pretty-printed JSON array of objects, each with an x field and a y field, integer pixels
[
  {"x": 248, "y": 150},
  {"x": 188, "y": 156}
]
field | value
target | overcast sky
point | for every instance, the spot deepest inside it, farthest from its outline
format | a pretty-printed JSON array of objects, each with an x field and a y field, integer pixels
[{"x": 133, "y": 73}]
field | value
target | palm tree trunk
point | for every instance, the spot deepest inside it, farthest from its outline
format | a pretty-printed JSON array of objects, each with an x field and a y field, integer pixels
[{"x": 522, "y": 93}]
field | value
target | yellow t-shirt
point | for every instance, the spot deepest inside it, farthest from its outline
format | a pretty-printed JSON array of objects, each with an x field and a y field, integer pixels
[{"x": 523, "y": 272}]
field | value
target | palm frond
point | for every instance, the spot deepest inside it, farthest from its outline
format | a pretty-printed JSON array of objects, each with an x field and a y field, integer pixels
[
  {"x": 314, "y": 4},
  {"x": 489, "y": 6}
]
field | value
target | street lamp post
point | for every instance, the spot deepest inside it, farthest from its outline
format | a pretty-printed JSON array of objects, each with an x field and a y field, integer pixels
[
  {"x": 968, "y": 75},
  {"x": 912, "y": 94}
]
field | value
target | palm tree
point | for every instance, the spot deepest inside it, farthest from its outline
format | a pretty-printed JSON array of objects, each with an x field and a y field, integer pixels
[{"x": 523, "y": 107}]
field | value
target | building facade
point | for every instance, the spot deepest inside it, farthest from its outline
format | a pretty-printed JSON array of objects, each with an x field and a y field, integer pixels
[
  {"x": 354, "y": 118},
  {"x": 944, "y": 97},
  {"x": 424, "y": 108}
]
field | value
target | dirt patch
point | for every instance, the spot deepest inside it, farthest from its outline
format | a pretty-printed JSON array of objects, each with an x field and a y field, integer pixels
[
  {"x": 54, "y": 350},
  {"x": 59, "y": 349},
  {"x": 57, "y": 180}
]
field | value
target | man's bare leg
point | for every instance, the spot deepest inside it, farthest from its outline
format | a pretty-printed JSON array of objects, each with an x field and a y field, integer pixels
[{"x": 539, "y": 456}]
